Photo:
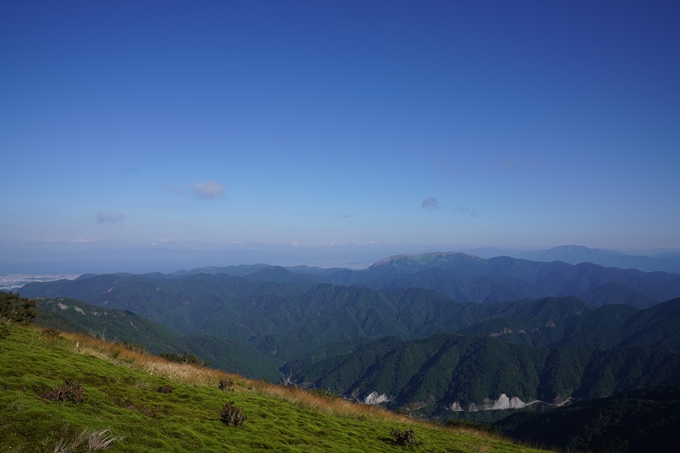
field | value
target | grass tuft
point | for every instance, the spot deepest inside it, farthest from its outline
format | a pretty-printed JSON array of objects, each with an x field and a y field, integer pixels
[
  {"x": 71, "y": 390},
  {"x": 232, "y": 416},
  {"x": 96, "y": 440},
  {"x": 405, "y": 438}
]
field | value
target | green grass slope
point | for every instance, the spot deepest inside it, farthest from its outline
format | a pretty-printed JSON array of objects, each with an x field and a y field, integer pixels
[{"x": 120, "y": 394}]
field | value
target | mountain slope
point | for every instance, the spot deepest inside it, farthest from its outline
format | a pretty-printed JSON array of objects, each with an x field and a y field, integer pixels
[
  {"x": 117, "y": 325},
  {"x": 446, "y": 368},
  {"x": 645, "y": 419}
]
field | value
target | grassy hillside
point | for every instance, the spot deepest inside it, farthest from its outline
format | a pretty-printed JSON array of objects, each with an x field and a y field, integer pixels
[{"x": 120, "y": 393}]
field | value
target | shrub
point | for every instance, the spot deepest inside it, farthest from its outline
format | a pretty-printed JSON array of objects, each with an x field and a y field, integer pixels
[
  {"x": 613, "y": 446},
  {"x": 232, "y": 416},
  {"x": 406, "y": 438},
  {"x": 226, "y": 385},
  {"x": 134, "y": 347},
  {"x": 457, "y": 423},
  {"x": 16, "y": 309},
  {"x": 4, "y": 331},
  {"x": 324, "y": 393},
  {"x": 50, "y": 333},
  {"x": 70, "y": 390},
  {"x": 185, "y": 358}
]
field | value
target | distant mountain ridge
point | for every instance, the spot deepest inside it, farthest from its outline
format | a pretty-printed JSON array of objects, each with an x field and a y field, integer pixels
[
  {"x": 290, "y": 314},
  {"x": 467, "y": 278},
  {"x": 576, "y": 254}
]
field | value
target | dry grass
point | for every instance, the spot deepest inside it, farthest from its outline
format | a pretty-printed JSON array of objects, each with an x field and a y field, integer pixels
[
  {"x": 96, "y": 440},
  {"x": 195, "y": 375},
  {"x": 332, "y": 406},
  {"x": 199, "y": 376}
]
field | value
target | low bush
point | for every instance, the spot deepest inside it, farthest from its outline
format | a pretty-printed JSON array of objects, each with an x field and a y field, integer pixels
[
  {"x": 134, "y": 347},
  {"x": 71, "y": 390},
  {"x": 226, "y": 385},
  {"x": 185, "y": 358},
  {"x": 457, "y": 423},
  {"x": 16, "y": 309},
  {"x": 406, "y": 438},
  {"x": 324, "y": 393},
  {"x": 232, "y": 416},
  {"x": 50, "y": 333}
]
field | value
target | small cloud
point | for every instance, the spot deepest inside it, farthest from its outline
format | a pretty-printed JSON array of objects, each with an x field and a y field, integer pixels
[
  {"x": 128, "y": 170},
  {"x": 430, "y": 204},
  {"x": 203, "y": 190},
  {"x": 109, "y": 217},
  {"x": 466, "y": 211},
  {"x": 345, "y": 216},
  {"x": 207, "y": 189}
]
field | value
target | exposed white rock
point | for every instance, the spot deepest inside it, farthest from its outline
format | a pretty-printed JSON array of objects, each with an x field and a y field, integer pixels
[
  {"x": 375, "y": 398},
  {"x": 79, "y": 310},
  {"x": 62, "y": 306},
  {"x": 456, "y": 407},
  {"x": 504, "y": 402}
]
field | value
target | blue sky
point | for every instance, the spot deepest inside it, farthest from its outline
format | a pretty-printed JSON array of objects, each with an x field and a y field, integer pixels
[{"x": 402, "y": 125}]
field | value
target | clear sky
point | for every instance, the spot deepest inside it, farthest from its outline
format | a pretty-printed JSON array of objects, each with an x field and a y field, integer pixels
[{"x": 445, "y": 124}]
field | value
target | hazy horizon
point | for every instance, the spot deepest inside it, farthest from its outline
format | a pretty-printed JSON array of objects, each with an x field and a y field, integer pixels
[{"x": 167, "y": 259}]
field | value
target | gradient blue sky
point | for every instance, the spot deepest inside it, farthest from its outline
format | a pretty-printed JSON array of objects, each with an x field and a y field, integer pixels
[{"x": 404, "y": 124}]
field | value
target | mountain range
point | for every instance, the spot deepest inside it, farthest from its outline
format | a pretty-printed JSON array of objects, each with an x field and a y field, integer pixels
[
  {"x": 446, "y": 334},
  {"x": 287, "y": 314}
]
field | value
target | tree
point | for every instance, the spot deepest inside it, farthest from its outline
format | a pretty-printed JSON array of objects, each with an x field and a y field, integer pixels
[{"x": 16, "y": 309}]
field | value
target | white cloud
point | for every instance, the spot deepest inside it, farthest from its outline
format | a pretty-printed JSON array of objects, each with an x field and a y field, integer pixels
[{"x": 207, "y": 189}]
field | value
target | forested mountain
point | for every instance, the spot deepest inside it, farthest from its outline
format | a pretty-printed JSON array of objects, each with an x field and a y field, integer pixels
[
  {"x": 636, "y": 421},
  {"x": 287, "y": 319},
  {"x": 446, "y": 368},
  {"x": 461, "y": 277},
  {"x": 123, "y": 326},
  {"x": 467, "y": 278},
  {"x": 410, "y": 327},
  {"x": 289, "y": 315}
]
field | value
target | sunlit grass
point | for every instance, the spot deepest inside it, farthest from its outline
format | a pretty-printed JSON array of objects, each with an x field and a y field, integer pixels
[{"x": 121, "y": 395}]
